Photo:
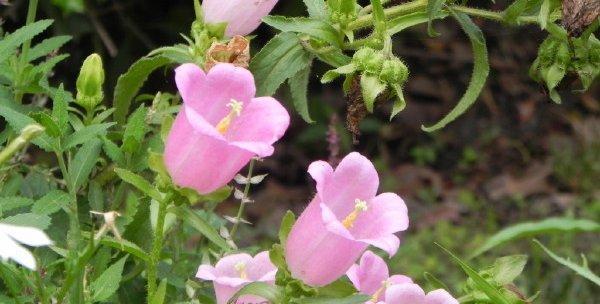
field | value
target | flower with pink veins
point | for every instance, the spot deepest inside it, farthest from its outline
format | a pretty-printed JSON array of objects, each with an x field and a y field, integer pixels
[
  {"x": 232, "y": 272},
  {"x": 371, "y": 277},
  {"x": 242, "y": 16},
  {"x": 344, "y": 218},
  {"x": 220, "y": 127}
]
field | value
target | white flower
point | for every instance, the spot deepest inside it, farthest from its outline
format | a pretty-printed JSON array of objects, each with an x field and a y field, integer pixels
[{"x": 11, "y": 236}]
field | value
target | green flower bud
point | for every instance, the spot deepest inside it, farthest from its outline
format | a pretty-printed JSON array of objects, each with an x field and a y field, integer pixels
[
  {"x": 361, "y": 55},
  {"x": 368, "y": 60},
  {"x": 563, "y": 56},
  {"x": 89, "y": 82},
  {"x": 393, "y": 71},
  {"x": 547, "y": 51}
]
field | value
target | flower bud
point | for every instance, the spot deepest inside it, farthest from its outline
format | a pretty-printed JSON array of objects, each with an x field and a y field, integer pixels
[
  {"x": 393, "y": 71},
  {"x": 89, "y": 82},
  {"x": 563, "y": 56},
  {"x": 368, "y": 60}
]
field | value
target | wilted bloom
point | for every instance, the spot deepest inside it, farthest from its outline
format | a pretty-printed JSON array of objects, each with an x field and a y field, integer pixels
[
  {"x": 371, "y": 277},
  {"x": 234, "y": 271},
  {"x": 11, "y": 236},
  {"x": 220, "y": 127},
  {"x": 242, "y": 16},
  {"x": 343, "y": 219}
]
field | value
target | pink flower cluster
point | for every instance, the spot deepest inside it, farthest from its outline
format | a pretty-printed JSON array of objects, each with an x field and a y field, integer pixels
[{"x": 220, "y": 127}]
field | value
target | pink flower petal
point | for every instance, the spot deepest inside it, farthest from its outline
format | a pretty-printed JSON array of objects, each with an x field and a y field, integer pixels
[
  {"x": 400, "y": 279},
  {"x": 405, "y": 294},
  {"x": 370, "y": 274},
  {"x": 264, "y": 119},
  {"x": 242, "y": 16},
  {"x": 200, "y": 124},
  {"x": 354, "y": 178},
  {"x": 261, "y": 268},
  {"x": 209, "y": 94},
  {"x": 388, "y": 243},
  {"x": 440, "y": 296},
  {"x": 206, "y": 272},
  {"x": 321, "y": 172}
]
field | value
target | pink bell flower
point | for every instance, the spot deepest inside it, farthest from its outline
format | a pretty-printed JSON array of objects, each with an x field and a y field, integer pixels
[
  {"x": 343, "y": 219},
  {"x": 242, "y": 16},
  {"x": 371, "y": 277},
  {"x": 220, "y": 127},
  {"x": 232, "y": 272}
]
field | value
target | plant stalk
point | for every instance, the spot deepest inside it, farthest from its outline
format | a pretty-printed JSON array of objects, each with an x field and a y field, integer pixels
[{"x": 240, "y": 212}]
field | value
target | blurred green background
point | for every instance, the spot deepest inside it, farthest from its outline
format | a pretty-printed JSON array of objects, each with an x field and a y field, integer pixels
[{"x": 514, "y": 157}]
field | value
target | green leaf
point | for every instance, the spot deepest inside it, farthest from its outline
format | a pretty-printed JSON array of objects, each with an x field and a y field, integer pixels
[
  {"x": 355, "y": 299},
  {"x": 401, "y": 23},
  {"x": 14, "y": 202},
  {"x": 481, "y": 70},
  {"x": 435, "y": 282},
  {"x": 10, "y": 43},
  {"x": 379, "y": 20},
  {"x": 108, "y": 282},
  {"x": 583, "y": 271},
  {"x": 482, "y": 284},
  {"x": 400, "y": 102},
  {"x": 271, "y": 293},
  {"x": 317, "y": 29},
  {"x": 19, "y": 121},
  {"x": 113, "y": 151},
  {"x": 39, "y": 221},
  {"x": 299, "y": 91},
  {"x": 514, "y": 11},
  {"x": 371, "y": 87},
  {"x": 83, "y": 163},
  {"x": 198, "y": 223},
  {"x": 139, "y": 182},
  {"x": 135, "y": 130},
  {"x": 129, "y": 84},
  {"x": 335, "y": 58},
  {"x": 316, "y": 8},
  {"x": 159, "y": 295},
  {"x": 331, "y": 75},
  {"x": 125, "y": 246},
  {"x": 52, "y": 202},
  {"x": 280, "y": 59},
  {"x": 60, "y": 106},
  {"x": 47, "y": 66},
  {"x": 506, "y": 269},
  {"x": 434, "y": 7},
  {"x": 46, "y": 47},
  {"x": 48, "y": 123},
  {"x": 85, "y": 134},
  {"x": 286, "y": 226},
  {"x": 550, "y": 225}
]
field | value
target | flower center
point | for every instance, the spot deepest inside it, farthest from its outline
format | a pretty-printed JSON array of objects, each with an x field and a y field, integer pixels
[
  {"x": 235, "y": 111},
  {"x": 359, "y": 206},
  {"x": 384, "y": 285},
  {"x": 241, "y": 269}
]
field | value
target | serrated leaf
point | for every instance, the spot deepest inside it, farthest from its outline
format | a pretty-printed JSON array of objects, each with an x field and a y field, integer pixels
[
  {"x": 85, "y": 134},
  {"x": 280, "y": 59},
  {"x": 506, "y": 269},
  {"x": 299, "y": 91},
  {"x": 583, "y": 271},
  {"x": 47, "y": 66},
  {"x": 60, "y": 106},
  {"x": 46, "y": 47},
  {"x": 481, "y": 70},
  {"x": 139, "y": 182},
  {"x": 52, "y": 202},
  {"x": 135, "y": 130},
  {"x": 125, "y": 246},
  {"x": 113, "y": 151},
  {"x": 482, "y": 284},
  {"x": 159, "y": 295},
  {"x": 198, "y": 223},
  {"x": 550, "y": 225},
  {"x": 18, "y": 121},
  {"x": 39, "y": 221},
  {"x": 513, "y": 11},
  {"x": 316, "y": 8},
  {"x": 317, "y": 29},
  {"x": 272, "y": 293},
  {"x": 83, "y": 163},
  {"x": 14, "y": 202},
  {"x": 335, "y": 58},
  {"x": 108, "y": 282},
  {"x": 10, "y": 43},
  {"x": 50, "y": 126},
  {"x": 129, "y": 84}
]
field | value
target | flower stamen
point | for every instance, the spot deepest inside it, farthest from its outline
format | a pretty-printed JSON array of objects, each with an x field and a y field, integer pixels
[
  {"x": 384, "y": 285},
  {"x": 241, "y": 269},
  {"x": 359, "y": 206},
  {"x": 235, "y": 111}
]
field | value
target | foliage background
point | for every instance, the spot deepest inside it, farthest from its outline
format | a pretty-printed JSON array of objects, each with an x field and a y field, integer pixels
[{"x": 515, "y": 156}]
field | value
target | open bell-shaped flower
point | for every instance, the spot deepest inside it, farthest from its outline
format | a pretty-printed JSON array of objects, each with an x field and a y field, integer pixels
[
  {"x": 220, "y": 127},
  {"x": 344, "y": 218},
  {"x": 232, "y": 272}
]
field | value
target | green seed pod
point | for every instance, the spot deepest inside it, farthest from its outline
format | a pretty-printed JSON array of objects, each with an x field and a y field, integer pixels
[
  {"x": 393, "y": 71},
  {"x": 89, "y": 82},
  {"x": 547, "y": 51},
  {"x": 361, "y": 56}
]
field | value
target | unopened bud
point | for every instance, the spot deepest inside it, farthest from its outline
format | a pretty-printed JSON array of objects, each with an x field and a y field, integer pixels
[
  {"x": 393, "y": 71},
  {"x": 368, "y": 60},
  {"x": 89, "y": 82}
]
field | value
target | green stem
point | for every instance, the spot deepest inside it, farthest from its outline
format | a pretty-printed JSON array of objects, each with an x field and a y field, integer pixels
[
  {"x": 240, "y": 212},
  {"x": 394, "y": 11},
  {"x": 31, "y": 12},
  {"x": 157, "y": 246},
  {"x": 27, "y": 134}
]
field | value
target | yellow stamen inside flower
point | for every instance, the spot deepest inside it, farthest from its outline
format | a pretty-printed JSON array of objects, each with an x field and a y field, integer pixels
[
  {"x": 236, "y": 110},
  {"x": 359, "y": 206},
  {"x": 241, "y": 269},
  {"x": 384, "y": 285}
]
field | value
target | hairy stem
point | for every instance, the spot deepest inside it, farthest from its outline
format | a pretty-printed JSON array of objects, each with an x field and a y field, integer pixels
[
  {"x": 394, "y": 11},
  {"x": 157, "y": 245}
]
